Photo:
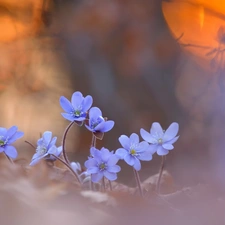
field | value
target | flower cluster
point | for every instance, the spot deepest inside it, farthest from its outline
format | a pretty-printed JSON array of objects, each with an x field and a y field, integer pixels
[
  {"x": 102, "y": 163},
  {"x": 77, "y": 111}
]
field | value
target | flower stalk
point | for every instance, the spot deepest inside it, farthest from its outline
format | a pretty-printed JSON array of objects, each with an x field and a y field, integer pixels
[
  {"x": 137, "y": 178},
  {"x": 160, "y": 174}
]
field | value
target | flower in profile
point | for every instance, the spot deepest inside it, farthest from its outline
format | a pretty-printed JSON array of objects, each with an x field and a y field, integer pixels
[
  {"x": 162, "y": 141},
  {"x": 133, "y": 151},
  {"x": 7, "y": 137},
  {"x": 46, "y": 148},
  {"x": 102, "y": 164},
  {"x": 97, "y": 124},
  {"x": 76, "y": 110}
]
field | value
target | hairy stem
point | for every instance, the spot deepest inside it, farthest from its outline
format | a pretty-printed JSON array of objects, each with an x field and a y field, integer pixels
[
  {"x": 10, "y": 160},
  {"x": 103, "y": 184},
  {"x": 93, "y": 144},
  {"x": 138, "y": 182},
  {"x": 64, "y": 142},
  {"x": 110, "y": 185},
  {"x": 160, "y": 174},
  {"x": 30, "y": 144},
  {"x": 68, "y": 166}
]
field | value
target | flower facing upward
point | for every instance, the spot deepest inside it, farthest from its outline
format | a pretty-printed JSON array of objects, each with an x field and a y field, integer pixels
[
  {"x": 102, "y": 164},
  {"x": 97, "y": 123},
  {"x": 76, "y": 110},
  {"x": 161, "y": 140},
  {"x": 133, "y": 151},
  {"x": 7, "y": 137},
  {"x": 45, "y": 147}
]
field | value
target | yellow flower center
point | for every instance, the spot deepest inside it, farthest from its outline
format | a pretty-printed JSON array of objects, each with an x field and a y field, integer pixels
[
  {"x": 132, "y": 152},
  {"x": 2, "y": 142},
  {"x": 102, "y": 166}
]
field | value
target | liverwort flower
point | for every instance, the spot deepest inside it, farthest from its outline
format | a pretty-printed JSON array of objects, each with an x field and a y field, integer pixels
[
  {"x": 76, "y": 110},
  {"x": 133, "y": 151},
  {"x": 162, "y": 141},
  {"x": 46, "y": 148},
  {"x": 97, "y": 124},
  {"x": 7, "y": 137},
  {"x": 102, "y": 164}
]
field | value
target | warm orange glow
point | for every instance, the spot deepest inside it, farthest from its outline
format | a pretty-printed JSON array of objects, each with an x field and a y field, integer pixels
[
  {"x": 199, "y": 26},
  {"x": 19, "y": 18}
]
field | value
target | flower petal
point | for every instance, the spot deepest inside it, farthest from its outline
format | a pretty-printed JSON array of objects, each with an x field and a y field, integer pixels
[
  {"x": 137, "y": 164},
  {"x": 16, "y": 136},
  {"x": 147, "y": 136},
  {"x": 168, "y": 146},
  {"x": 161, "y": 150},
  {"x": 66, "y": 104},
  {"x": 53, "y": 141},
  {"x": 11, "y": 151},
  {"x": 76, "y": 100},
  {"x": 156, "y": 130},
  {"x": 172, "y": 141},
  {"x": 94, "y": 113},
  {"x": 114, "y": 169},
  {"x": 52, "y": 150},
  {"x": 92, "y": 170},
  {"x": 113, "y": 159},
  {"x": 121, "y": 153},
  {"x": 11, "y": 131},
  {"x": 171, "y": 132},
  {"x": 87, "y": 103},
  {"x": 90, "y": 163},
  {"x": 134, "y": 138},
  {"x": 96, "y": 177},
  {"x": 3, "y": 131},
  {"x": 109, "y": 175},
  {"x": 2, "y": 149},
  {"x": 130, "y": 160},
  {"x": 47, "y": 136},
  {"x": 124, "y": 141},
  {"x": 105, "y": 154},
  {"x": 142, "y": 146},
  {"x": 108, "y": 125},
  {"x": 145, "y": 156}
]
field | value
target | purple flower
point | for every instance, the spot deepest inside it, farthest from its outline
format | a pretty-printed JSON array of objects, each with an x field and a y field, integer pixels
[
  {"x": 102, "y": 164},
  {"x": 45, "y": 147},
  {"x": 97, "y": 123},
  {"x": 76, "y": 110},
  {"x": 133, "y": 151},
  {"x": 161, "y": 140},
  {"x": 7, "y": 137}
]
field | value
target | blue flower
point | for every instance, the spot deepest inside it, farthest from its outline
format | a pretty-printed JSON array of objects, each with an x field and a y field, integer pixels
[
  {"x": 133, "y": 151},
  {"x": 76, "y": 110},
  {"x": 7, "y": 137},
  {"x": 97, "y": 123},
  {"x": 161, "y": 140},
  {"x": 102, "y": 164},
  {"x": 45, "y": 147}
]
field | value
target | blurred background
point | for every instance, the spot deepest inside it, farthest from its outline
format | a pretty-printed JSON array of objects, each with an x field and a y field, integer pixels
[{"x": 141, "y": 60}]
